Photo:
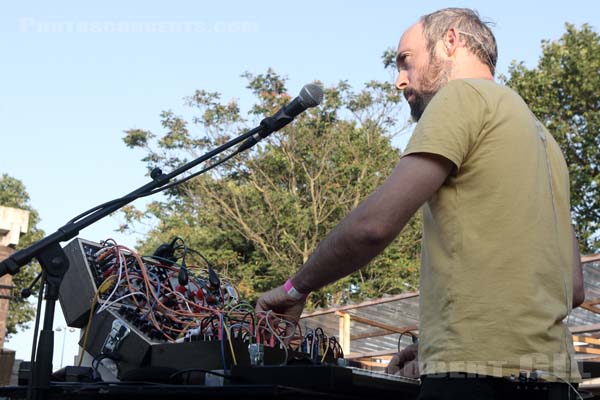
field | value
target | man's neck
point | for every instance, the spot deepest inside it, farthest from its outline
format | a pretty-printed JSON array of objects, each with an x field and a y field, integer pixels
[{"x": 472, "y": 68}]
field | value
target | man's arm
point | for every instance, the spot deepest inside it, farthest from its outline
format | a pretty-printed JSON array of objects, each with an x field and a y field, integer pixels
[
  {"x": 578, "y": 292},
  {"x": 367, "y": 230}
]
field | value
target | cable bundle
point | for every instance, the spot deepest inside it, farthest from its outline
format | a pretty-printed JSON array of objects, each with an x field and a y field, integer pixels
[
  {"x": 318, "y": 346},
  {"x": 171, "y": 301},
  {"x": 147, "y": 291}
]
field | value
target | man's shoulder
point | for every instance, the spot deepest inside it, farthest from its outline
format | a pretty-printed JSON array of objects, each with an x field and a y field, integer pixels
[
  {"x": 468, "y": 94},
  {"x": 482, "y": 87},
  {"x": 468, "y": 89},
  {"x": 482, "y": 91}
]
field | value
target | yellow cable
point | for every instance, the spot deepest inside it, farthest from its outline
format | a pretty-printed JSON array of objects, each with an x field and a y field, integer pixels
[
  {"x": 325, "y": 352},
  {"x": 230, "y": 345},
  {"x": 101, "y": 289}
]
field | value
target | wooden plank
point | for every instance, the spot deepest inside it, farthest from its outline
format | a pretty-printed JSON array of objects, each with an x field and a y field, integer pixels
[
  {"x": 586, "y": 339},
  {"x": 346, "y": 337},
  {"x": 590, "y": 258},
  {"x": 367, "y": 303},
  {"x": 383, "y": 332},
  {"x": 372, "y": 334},
  {"x": 384, "y": 357},
  {"x": 590, "y": 307},
  {"x": 381, "y": 325},
  {"x": 586, "y": 350},
  {"x": 341, "y": 333},
  {"x": 592, "y": 301},
  {"x": 584, "y": 328}
]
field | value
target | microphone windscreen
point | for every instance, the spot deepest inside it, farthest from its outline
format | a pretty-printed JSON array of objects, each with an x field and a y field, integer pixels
[{"x": 311, "y": 95}]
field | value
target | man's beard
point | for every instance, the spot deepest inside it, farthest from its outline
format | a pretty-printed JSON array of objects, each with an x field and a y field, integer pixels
[
  {"x": 419, "y": 102},
  {"x": 436, "y": 76}
]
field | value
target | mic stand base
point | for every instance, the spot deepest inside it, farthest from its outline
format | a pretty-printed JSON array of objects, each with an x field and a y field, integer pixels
[{"x": 54, "y": 263}]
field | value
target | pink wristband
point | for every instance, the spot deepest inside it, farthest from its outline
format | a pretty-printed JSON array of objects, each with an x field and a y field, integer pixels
[{"x": 292, "y": 292}]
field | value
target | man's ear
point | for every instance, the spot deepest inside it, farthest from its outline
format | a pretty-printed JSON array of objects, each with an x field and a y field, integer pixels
[{"x": 451, "y": 41}]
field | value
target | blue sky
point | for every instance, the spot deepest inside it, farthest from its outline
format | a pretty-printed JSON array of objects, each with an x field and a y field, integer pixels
[{"x": 73, "y": 77}]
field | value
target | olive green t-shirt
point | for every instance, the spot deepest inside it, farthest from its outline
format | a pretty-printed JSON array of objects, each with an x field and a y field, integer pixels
[{"x": 496, "y": 274}]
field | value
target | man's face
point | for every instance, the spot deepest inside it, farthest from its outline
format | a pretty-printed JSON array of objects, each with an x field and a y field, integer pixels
[{"x": 420, "y": 75}]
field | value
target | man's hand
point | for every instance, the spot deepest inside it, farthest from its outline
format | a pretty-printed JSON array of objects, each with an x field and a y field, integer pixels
[
  {"x": 405, "y": 363},
  {"x": 281, "y": 303}
]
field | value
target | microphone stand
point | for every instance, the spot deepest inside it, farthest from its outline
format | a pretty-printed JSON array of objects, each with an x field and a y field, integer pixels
[{"x": 54, "y": 262}]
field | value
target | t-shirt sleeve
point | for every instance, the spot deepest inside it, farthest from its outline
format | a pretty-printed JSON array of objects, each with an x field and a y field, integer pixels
[{"x": 451, "y": 123}]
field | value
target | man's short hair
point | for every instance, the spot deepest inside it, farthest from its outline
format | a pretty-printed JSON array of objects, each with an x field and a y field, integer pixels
[{"x": 477, "y": 35}]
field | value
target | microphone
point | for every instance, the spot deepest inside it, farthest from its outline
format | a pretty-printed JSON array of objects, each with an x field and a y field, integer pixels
[{"x": 311, "y": 95}]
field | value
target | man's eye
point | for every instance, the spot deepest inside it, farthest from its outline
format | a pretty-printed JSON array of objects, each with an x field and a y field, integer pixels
[{"x": 403, "y": 62}]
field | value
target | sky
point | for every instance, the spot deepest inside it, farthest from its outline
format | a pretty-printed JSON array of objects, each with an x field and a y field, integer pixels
[{"x": 74, "y": 75}]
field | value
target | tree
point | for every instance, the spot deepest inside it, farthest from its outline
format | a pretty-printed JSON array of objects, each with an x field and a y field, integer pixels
[
  {"x": 563, "y": 91},
  {"x": 14, "y": 194},
  {"x": 260, "y": 216}
]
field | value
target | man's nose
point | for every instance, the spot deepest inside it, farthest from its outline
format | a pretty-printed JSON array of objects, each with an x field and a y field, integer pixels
[{"x": 402, "y": 80}]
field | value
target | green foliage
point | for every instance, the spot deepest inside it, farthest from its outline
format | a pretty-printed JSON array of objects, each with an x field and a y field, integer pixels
[
  {"x": 564, "y": 93},
  {"x": 260, "y": 216},
  {"x": 14, "y": 194}
]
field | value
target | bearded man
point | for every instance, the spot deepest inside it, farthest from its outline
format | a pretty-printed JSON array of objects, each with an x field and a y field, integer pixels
[{"x": 500, "y": 264}]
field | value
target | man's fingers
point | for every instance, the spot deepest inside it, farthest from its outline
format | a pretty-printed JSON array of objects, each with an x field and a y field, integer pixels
[
  {"x": 411, "y": 369},
  {"x": 407, "y": 358},
  {"x": 393, "y": 367}
]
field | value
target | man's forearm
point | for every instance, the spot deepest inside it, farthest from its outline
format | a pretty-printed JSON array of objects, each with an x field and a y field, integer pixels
[{"x": 346, "y": 249}]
